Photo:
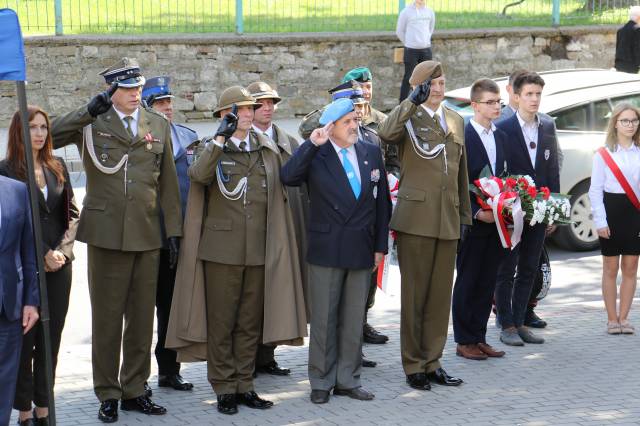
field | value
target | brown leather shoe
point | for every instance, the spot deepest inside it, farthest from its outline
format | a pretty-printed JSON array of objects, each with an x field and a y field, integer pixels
[
  {"x": 470, "y": 352},
  {"x": 490, "y": 351}
]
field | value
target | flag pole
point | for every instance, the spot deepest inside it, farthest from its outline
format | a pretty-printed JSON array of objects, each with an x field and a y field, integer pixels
[{"x": 37, "y": 233}]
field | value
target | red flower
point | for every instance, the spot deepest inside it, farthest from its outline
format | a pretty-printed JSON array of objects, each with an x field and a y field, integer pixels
[
  {"x": 546, "y": 192},
  {"x": 523, "y": 183},
  {"x": 511, "y": 182},
  {"x": 532, "y": 192}
]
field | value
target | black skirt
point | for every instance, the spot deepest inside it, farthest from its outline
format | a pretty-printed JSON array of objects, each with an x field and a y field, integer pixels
[{"x": 623, "y": 220}]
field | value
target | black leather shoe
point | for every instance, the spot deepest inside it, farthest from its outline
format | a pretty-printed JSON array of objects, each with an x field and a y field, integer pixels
[
  {"x": 108, "y": 412},
  {"x": 144, "y": 405},
  {"x": 174, "y": 381},
  {"x": 372, "y": 336},
  {"x": 41, "y": 421},
  {"x": 27, "y": 422},
  {"x": 274, "y": 369},
  {"x": 227, "y": 403},
  {"x": 442, "y": 378},
  {"x": 252, "y": 400},
  {"x": 533, "y": 320},
  {"x": 356, "y": 393},
  {"x": 418, "y": 381},
  {"x": 319, "y": 396},
  {"x": 368, "y": 363},
  {"x": 147, "y": 390}
]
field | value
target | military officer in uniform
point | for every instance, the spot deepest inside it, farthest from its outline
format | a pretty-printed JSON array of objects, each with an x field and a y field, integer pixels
[
  {"x": 248, "y": 250},
  {"x": 268, "y": 97},
  {"x": 131, "y": 177},
  {"x": 433, "y": 203},
  {"x": 363, "y": 76},
  {"x": 157, "y": 95}
]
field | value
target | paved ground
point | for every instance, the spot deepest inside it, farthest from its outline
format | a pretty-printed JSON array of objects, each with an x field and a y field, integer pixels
[{"x": 581, "y": 376}]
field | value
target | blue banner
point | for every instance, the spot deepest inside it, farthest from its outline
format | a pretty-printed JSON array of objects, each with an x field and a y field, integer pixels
[{"x": 12, "y": 65}]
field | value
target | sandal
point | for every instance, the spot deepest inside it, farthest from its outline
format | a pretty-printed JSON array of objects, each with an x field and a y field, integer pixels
[
  {"x": 626, "y": 327},
  {"x": 613, "y": 327}
]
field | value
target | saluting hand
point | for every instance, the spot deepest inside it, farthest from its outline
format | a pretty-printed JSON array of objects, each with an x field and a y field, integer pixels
[
  {"x": 229, "y": 124},
  {"x": 102, "y": 102},
  {"x": 420, "y": 93},
  {"x": 320, "y": 136}
]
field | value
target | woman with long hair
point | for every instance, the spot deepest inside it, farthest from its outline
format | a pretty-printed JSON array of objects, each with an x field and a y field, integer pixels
[
  {"x": 614, "y": 192},
  {"x": 58, "y": 219}
]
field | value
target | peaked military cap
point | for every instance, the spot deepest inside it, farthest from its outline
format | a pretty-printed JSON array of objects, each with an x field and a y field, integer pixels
[
  {"x": 156, "y": 88},
  {"x": 235, "y": 95},
  {"x": 125, "y": 72},
  {"x": 261, "y": 90},
  {"x": 360, "y": 74},
  {"x": 351, "y": 90},
  {"x": 424, "y": 71}
]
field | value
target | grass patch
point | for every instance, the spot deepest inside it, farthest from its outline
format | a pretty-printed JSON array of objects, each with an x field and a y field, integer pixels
[{"x": 274, "y": 16}]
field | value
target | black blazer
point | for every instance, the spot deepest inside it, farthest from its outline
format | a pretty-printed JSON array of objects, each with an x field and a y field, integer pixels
[
  {"x": 628, "y": 48},
  {"x": 343, "y": 232},
  {"x": 547, "y": 170},
  {"x": 477, "y": 160},
  {"x": 59, "y": 213}
]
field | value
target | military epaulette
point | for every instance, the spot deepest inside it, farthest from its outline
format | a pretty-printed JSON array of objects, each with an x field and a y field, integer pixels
[{"x": 184, "y": 127}]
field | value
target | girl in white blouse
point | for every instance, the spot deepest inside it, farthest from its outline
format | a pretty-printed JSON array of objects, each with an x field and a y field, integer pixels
[{"x": 615, "y": 212}]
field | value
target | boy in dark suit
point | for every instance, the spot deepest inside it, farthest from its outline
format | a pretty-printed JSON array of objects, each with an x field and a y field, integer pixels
[
  {"x": 19, "y": 295},
  {"x": 480, "y": 251},
  {"x": 348, "y": 232},
  {"x": 532, "y": 150}
]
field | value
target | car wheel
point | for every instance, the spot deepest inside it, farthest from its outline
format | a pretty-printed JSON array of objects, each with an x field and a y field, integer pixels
[{"x": 580, "y": 235}]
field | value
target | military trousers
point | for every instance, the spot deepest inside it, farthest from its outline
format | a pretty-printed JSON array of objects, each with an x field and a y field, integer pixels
[
  {"x": 426, "y": 273},
  {"x": 122, "y": 285},
  {"x": 235, "y": 307},
  {"x": 338, "y": 298}
]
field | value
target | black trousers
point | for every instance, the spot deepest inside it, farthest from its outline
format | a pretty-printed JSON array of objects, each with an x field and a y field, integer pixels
[
  {"x": 412, "y": 57},
  {"x": 32, "y": 380},
  {"x": 477, "y": 266},
  {"x": 166, "y": 358},
  {"x": 513, "y": 295}
]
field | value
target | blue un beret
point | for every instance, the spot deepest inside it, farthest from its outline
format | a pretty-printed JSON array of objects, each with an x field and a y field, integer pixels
[{"x": 336, "y": 110}]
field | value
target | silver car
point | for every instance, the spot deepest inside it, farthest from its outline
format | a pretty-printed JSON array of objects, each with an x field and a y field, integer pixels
[{"x": 580, "y": 101}]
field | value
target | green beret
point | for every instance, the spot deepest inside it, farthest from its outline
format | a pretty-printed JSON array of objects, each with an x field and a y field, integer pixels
[{"x": 361, "y": 74}]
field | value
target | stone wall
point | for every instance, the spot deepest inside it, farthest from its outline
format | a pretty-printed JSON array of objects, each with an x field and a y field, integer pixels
[{"x": 63, "y": 71}]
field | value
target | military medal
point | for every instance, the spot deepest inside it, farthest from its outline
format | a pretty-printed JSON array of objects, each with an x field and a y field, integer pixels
[
  {"x": 148, "y": 146},
  {"x": 149, "y": 138},
  {"x": 103, "y": 157}
]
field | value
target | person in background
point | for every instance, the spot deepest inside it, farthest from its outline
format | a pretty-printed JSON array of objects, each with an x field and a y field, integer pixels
[
  {"x": 58, "y": 221},
  {"x": 415, "y": 26},
  {"x": 628, "y": 44},
  {"x": 614, "y": 192}
]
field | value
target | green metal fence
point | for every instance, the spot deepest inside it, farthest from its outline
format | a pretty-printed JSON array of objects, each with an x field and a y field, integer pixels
[{"x": 255, "y": 16}]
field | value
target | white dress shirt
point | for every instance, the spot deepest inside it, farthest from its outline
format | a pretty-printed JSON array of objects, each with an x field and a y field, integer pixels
[
  {"x": 488, "y": 141},
  {"x": 530, "y": 134},
  {"x": 134, "y": 122},
  {"x": 268, "y": 132},
  {"x": 351, "y": 156},
  {"x": 237, "y": 141},
  {"x": 437, "y": 114},
  {"x": 603, "y": 180},
  {"x": 415, "y": 26}
]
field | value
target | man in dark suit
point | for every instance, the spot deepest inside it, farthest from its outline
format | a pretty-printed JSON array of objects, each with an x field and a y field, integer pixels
[
  {"x": 480, "y": 251},
  {"x": 19, "y": 295},
  {"x": 628, "y": 44},
  {"x": 532, "y": 150},
  {"x": 157, "y": 95},
  {"x": 348, "y": 231}
]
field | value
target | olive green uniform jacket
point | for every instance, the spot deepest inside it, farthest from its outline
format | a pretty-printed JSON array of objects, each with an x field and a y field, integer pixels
[
  {"x": 430, "y": 202},
  {"x": 122, "y": 210}
]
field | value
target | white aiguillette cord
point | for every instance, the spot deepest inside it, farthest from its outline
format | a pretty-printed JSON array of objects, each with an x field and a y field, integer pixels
[
  {"x": 423, "y": 153},
  {"x": 239, "y": 191},
  {"x": 87, "y": 142}
]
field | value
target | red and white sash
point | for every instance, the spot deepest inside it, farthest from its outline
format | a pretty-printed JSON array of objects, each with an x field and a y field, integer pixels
[{"x": 622, "y": 180}]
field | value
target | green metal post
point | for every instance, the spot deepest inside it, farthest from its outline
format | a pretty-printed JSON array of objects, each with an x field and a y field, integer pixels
[
  {"x": 555, "y": 13},
  {"x": 400, "y": 5},
  {"x": 239, "y": 18},
  {"x": 58, "y": 12}
]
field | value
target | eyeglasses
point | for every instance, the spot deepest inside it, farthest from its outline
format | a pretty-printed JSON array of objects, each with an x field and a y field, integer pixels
[
  {"x": 491, "y": 102},
  {"x": 629, "y": 123}
]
